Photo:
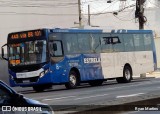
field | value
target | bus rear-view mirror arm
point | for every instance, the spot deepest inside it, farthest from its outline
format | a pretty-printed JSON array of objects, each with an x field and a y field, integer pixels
[{"x": 2, "y": 50}]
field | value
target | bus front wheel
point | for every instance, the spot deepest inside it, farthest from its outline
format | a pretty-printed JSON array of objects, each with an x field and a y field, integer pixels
[
  {"x": 38, "y": 88},
  {"x": 127, "y": 75},
  {"x": 73, "y": 80},
  {"x": 41, "y": 88}
]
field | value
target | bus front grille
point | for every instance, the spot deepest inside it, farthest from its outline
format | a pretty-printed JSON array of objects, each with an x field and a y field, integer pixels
[{"x": 26, "y": 80}]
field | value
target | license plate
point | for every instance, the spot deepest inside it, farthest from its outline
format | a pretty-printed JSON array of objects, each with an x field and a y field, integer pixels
[{"x": 26, "y": 81}]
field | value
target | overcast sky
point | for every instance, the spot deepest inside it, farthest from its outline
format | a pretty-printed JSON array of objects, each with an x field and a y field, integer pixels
[{"x": 17, "y": 15}]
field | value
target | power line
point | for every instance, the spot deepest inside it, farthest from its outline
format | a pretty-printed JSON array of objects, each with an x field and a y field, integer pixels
[
  {"x": 99, "y": 6},
  {"x": 37, "y": 4},
  {"x": 18, "y": 13},
  {"x": 40, "y": 5},
  {"x": 154, "y": 4},
  {"x": 132, "y": 5}
]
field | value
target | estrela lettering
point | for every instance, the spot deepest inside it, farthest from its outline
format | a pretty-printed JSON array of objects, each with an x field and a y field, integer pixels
[{"x": 92, "y": 60}]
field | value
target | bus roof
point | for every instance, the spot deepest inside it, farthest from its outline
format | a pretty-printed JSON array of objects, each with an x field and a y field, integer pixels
[
  {"x": 77, "y": 30},
  {"x": 131, "y": 31}
]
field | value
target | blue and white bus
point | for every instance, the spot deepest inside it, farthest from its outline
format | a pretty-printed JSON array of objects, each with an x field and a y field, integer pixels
[{"x": 44, "y": 57}]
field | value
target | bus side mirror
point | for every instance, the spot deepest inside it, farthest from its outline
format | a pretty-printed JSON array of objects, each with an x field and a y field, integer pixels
[
  {"x": 115, "y": 40},
  {"x": 3, "y": 55},
  {"x": 54, "y": 46}
]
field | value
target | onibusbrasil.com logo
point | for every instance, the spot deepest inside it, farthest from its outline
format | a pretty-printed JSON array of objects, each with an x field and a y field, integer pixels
[{"x": 13, "y": 108}]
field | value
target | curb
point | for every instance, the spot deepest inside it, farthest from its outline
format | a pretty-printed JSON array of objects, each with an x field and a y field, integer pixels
[{"x": 153, "y": 74}]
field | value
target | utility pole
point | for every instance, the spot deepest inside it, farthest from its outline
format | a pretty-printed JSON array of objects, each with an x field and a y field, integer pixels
[
  {"x": 139, "y": 13},
  {"x": 89, "y": 16},
  {"x": 80, "y": 14}
]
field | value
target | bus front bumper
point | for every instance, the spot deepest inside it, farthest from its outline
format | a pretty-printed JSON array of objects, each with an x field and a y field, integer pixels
[{"x": 31, "y": 81}]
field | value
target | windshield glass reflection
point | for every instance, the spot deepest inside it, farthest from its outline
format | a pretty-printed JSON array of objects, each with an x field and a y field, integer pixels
[{"x": 32, "y": 52}]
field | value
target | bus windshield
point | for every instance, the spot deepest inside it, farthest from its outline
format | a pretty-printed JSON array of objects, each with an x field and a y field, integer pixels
[{"x": 26, "y": 53}]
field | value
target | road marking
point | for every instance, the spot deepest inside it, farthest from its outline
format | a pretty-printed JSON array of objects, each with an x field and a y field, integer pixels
[
  {"x": 91, "y": 96},
  {"x": 131, "y": 95},
  {"x": 102, "y": 89},
  {"x": 59, "y": 98}
]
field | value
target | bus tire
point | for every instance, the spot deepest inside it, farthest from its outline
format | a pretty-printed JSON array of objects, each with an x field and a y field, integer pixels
[
  {"x": 127, "y": 75},
  {"x": 73, "y": 80},
  {"x": 38, "y": 88},
  {"x": 96, "y": 82}
]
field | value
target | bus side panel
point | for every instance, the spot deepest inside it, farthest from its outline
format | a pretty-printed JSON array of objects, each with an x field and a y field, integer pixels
[
  {"x": 113, "y": 63},
  {"x": 143, "y": 62},
  {"x": 92, "y": 67},
  {"x": 121, "y": 59},
  {"x": 108, "y": 65},
  {"x": 58, "y": 73},
  {"x": 140, "y": 62},
  {"x": 61, "y": 69},
  {"x": 73, "y": 61}
]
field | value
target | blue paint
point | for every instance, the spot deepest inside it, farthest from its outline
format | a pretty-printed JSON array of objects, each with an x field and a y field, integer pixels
[
  {"x": 77, "y": 30},
  {"x": 92, "y": 69},
  {"x": 132, "y": 31}
]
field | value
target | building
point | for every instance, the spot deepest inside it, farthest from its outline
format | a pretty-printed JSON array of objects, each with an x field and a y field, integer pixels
[{"x": 25, "y": 15}]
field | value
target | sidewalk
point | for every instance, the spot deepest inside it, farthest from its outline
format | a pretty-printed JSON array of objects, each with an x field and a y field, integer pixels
[{"x": 155, "y": 74}]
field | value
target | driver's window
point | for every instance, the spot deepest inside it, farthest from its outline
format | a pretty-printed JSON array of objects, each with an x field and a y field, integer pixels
[
  {"x": 4, "y": 97},
  {"x": 56, "y": 48}
]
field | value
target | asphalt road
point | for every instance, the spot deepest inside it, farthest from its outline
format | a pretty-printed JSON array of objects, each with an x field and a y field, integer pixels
[{"x": 110, "y": 93}]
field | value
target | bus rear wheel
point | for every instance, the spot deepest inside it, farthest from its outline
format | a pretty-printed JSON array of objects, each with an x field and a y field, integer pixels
[
  {"x": 96, "y": 82},
  {"x": 127, "y": 75},
  {"x": 73, "y": 80}
]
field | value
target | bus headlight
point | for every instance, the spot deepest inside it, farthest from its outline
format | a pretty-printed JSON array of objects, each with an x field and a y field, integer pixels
[
  {"x": 43, "y": 73},
  {"x": 46, "y": 71}
]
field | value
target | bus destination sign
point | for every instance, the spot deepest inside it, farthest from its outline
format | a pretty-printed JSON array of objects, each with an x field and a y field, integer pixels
[{"x": 26, "y": 34}]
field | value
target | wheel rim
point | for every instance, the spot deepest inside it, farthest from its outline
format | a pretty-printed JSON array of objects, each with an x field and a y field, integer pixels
[
  {"x": 127, "y": 74},
  {"x": 73, "y": 80}
]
